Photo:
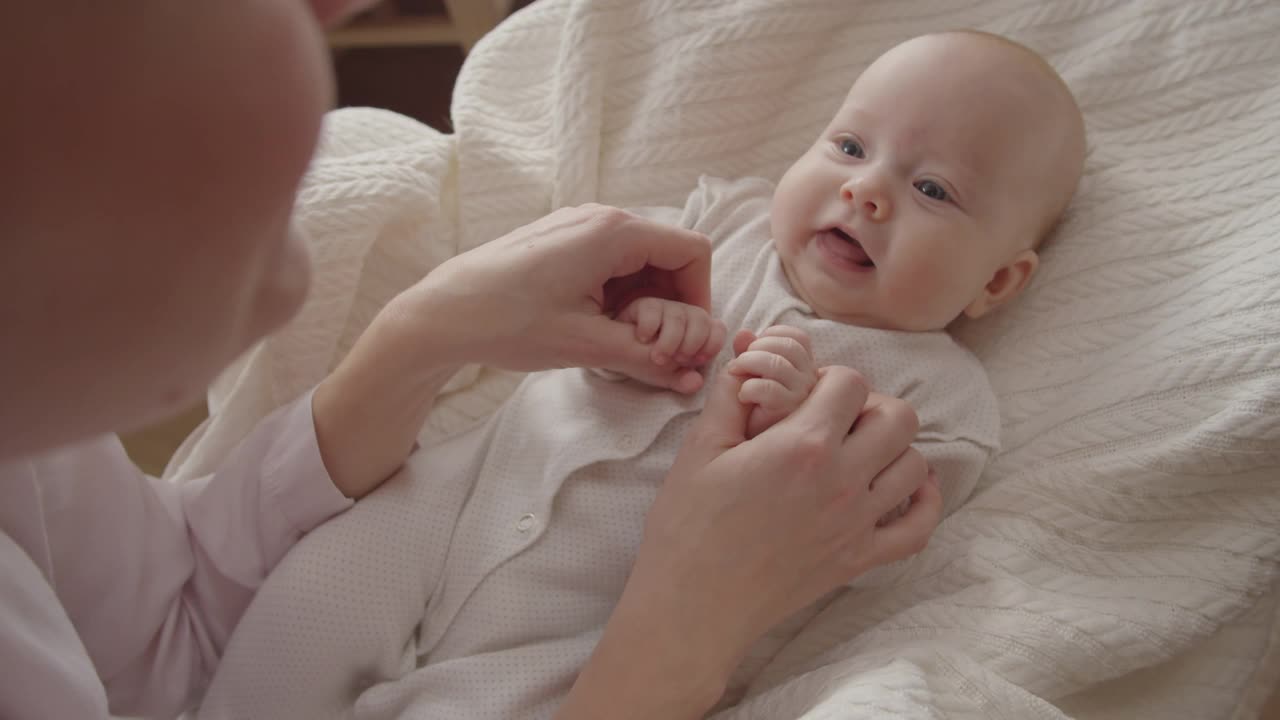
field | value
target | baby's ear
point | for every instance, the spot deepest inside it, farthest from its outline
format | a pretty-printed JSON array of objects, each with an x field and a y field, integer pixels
[{"x": 1005, "y": 284}]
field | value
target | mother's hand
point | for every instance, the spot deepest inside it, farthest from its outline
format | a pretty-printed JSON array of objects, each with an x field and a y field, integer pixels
[
  {"x": 538, "y": 298},
  {"x": 746, "y": 532},
  {"x": 543, "y": 296}
]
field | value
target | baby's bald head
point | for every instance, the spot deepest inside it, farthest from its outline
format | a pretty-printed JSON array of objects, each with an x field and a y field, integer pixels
[
  {"x": 1015, "y": 99},
  {"x": 926, "y": 195},
  {"x": 1052, "y": 107}
]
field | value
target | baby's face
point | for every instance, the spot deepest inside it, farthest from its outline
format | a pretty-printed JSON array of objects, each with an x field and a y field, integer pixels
[{"x": 923, "y": 197}]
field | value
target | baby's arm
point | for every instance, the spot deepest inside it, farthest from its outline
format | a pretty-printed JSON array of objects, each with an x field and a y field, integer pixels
[
  {"x": 781, "y": 372},
  {"x": 681, "y": 334}
]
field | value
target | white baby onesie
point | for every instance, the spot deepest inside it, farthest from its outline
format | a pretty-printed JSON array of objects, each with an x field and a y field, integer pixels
[{"x": 560, "y": 479}]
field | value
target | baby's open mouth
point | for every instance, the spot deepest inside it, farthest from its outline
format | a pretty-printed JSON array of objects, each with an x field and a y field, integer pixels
[{"x": 851, "y": 249}]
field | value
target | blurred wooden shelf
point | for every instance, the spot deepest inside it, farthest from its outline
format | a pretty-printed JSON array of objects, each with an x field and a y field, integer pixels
[{"x": 399, "y": 24}]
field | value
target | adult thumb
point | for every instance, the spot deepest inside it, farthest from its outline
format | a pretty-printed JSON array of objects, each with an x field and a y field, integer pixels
[
  {"x": 721, "y": 427},
  {"x": 723, "y": 422},
  {"x": 612, "y": 345}
]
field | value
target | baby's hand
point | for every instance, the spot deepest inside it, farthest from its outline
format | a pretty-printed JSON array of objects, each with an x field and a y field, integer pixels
[
  {"x": 781, "y": 371},
  {"x": 683, "y": 336}
]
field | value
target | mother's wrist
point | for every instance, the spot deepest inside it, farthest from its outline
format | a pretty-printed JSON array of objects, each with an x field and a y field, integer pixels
[
  {"x": 644, "y": 667},
  {"x": 369, "y": 410},
  {"x": 418, "y": 336},
  {"x": 694, "y": 652},
  {"x": 457, "y": 317}
]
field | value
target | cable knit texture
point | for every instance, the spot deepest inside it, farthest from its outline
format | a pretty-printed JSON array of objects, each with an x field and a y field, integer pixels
[{"x": 1119, "y": 557}]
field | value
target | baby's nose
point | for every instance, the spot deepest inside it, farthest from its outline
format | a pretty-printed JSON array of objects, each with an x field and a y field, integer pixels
[{"x": 868, "y": 199}]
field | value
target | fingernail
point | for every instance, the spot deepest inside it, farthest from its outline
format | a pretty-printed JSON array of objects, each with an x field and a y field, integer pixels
[{"x": 660, "y": 359}]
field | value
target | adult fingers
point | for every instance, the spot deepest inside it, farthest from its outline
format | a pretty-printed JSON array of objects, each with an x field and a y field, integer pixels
[
  {"x": 683, "y": 254},
  {"x": 897, "y": 482},
  {"x": 883, "y": 430},
  {"x": 721, "y": 426},
  {"x": 909, "y": 534},
  {"x": 833, "y": 405}
]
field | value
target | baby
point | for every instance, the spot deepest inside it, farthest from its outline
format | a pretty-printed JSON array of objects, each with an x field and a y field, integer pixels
[{"x": 924, "y": 199}]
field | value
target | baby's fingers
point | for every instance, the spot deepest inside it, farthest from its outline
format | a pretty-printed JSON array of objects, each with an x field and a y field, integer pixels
[
  {"x": 646, "y": 314},
  {"x": 696, "y": 331},
  {"x": 790, "y": 331},
  {"x": 796, "y": 352},
  {"x": 770, "y": 395},
  {"x": 771, "y": 366},
  {"x": 671, "y": 335},
  {"x": 715, "y": 341}
]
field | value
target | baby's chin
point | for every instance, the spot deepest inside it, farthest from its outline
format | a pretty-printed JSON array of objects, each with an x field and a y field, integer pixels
[
  {"x": 822, "y": 303},
  {"x": 826, "y": 302}
]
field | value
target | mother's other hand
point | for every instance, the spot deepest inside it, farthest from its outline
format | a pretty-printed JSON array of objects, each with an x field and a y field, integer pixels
[{"x": 746, "y": 532}]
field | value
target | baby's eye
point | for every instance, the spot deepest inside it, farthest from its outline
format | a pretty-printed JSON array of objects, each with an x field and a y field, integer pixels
[
  {"x": 932, "y": 189},
  {"x": 850, "y": 147}
]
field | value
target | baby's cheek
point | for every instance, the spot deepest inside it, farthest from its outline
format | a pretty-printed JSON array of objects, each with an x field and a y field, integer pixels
[{"x": 926, "y": 297}]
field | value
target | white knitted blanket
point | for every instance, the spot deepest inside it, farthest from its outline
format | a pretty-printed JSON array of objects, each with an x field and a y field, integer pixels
[{"x": 1120, "y": 557}]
